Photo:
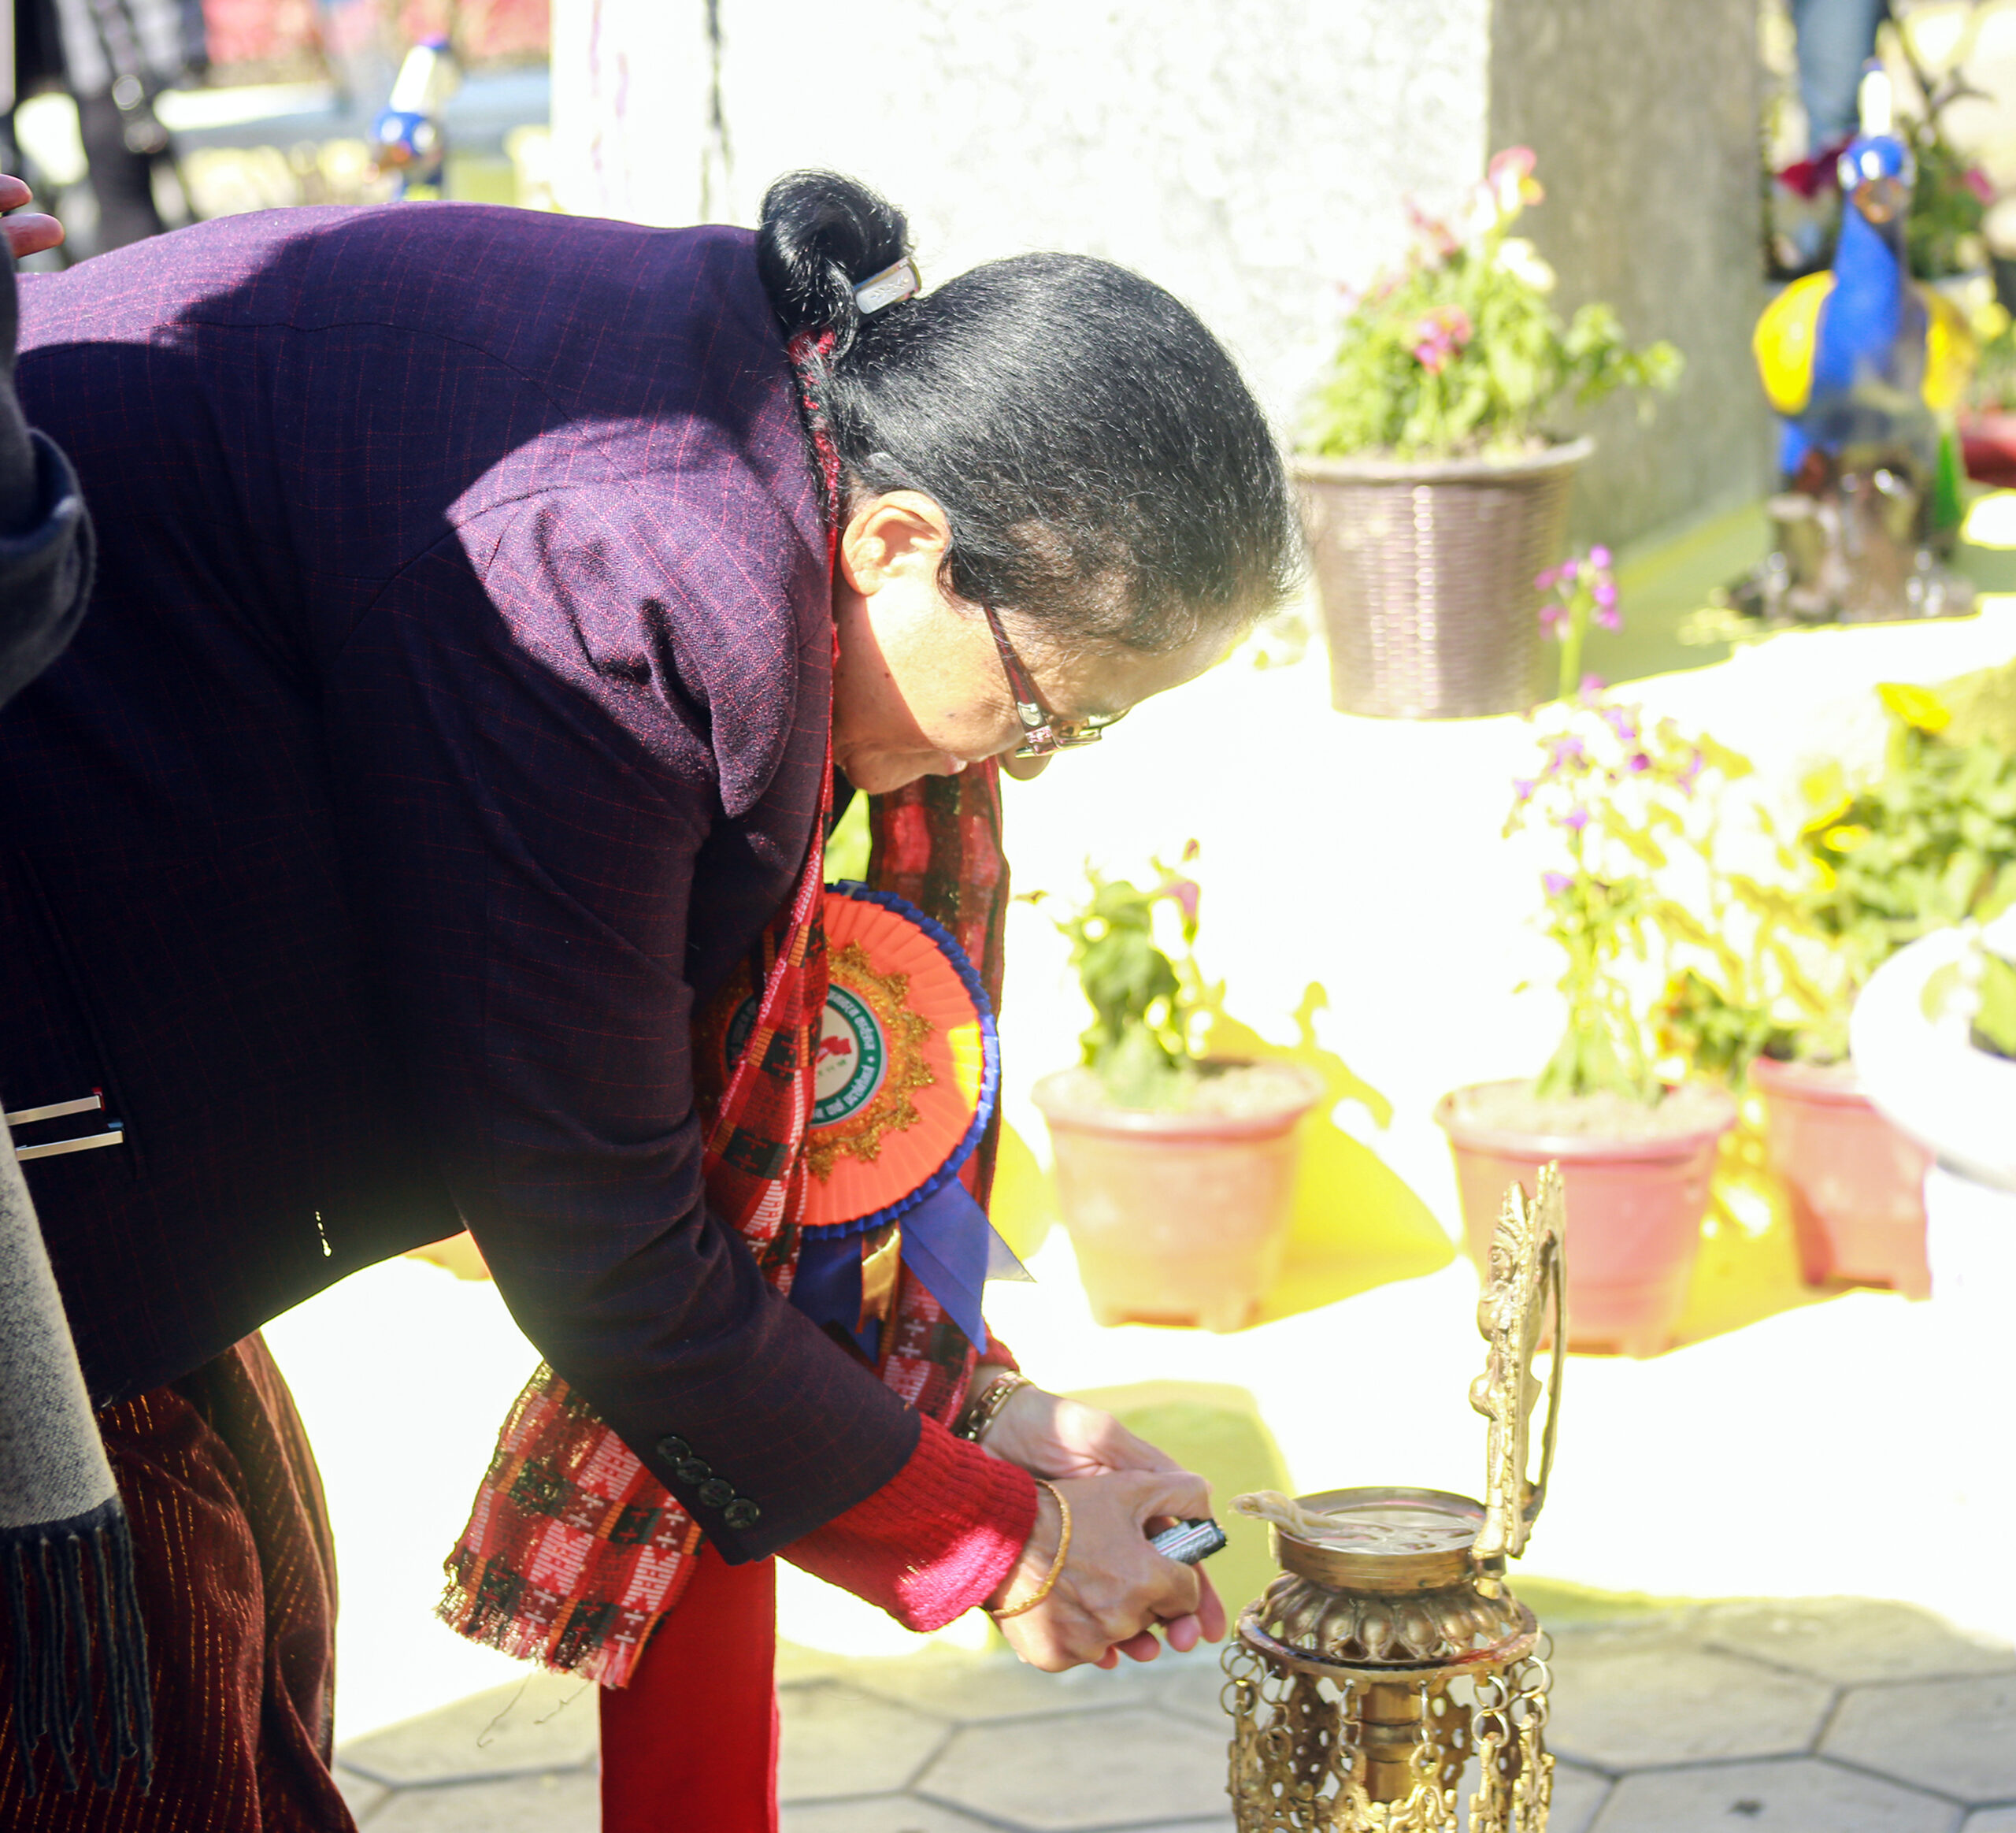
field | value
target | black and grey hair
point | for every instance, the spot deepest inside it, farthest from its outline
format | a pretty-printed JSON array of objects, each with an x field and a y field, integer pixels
[{"x": 1105, "y": 471}]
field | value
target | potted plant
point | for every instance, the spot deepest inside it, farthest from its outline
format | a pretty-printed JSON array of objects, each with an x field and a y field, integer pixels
[
  {"x": 1636, "y": 1155},
  {"x": 1927, "y": 844},
  {"x": 1175, "y": 1174},
  {"x": 1434, "y": 491}
]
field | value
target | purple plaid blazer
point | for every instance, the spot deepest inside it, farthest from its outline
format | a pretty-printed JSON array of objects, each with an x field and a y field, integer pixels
[{"x": 450, "y": 716}]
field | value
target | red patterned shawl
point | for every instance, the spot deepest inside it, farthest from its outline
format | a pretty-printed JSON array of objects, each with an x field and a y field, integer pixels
[{"x": 574, "y": 1549}]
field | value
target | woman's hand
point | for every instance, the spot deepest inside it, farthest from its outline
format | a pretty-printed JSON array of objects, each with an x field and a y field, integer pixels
[
  {"x": 1114, "y": 1585},
  {"x": 1063, "y": 1440},
  {"x": 28, "y": 234},
  {"x": 1049, "y": 1436}
]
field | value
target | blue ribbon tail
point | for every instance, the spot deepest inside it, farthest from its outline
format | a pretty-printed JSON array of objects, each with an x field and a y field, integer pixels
[
  {"x": 948, "y": 1244},
  {"x": 1003, "y": 1262}
]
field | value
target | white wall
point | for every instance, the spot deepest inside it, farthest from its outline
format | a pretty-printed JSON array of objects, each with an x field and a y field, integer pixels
[{"x": 1248, "y": 158}]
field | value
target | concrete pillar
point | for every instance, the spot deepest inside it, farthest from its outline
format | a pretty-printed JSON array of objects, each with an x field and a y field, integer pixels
[
  {"x": 1645, "y": 117},
  {"x": 1251, "y": 158}
]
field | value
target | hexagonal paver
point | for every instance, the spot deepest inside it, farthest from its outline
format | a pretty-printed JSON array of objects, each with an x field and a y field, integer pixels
[
  {"x": 1992, "y": 1820},
  {"x": 1802, "y": 1795},
  {"x": 839, "y": 1742},
  {"x": 544, "y": 1722},
  {"x": 1125, "y": 1768},
  {"x": 361, "y": 1794},
  {"x": 1578, "y": 1793},
  {"x": 1846, "y": 1640},
  {"x": 1194, "y": 1687},
  {"x": 1955, "y": 1736},
  {"x": 567, "y": 1803},
  {"x": 1632, "y": 1702},
  {"x": 973, "y": 1687},
  {"x": 878, "y": 1814}
]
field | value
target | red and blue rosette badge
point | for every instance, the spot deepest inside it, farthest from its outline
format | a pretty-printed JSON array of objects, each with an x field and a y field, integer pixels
[{"x": 908, "y": 1074}]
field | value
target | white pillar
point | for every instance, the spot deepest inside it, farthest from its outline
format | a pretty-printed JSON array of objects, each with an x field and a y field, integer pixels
[{"x": 633, "y": 83}]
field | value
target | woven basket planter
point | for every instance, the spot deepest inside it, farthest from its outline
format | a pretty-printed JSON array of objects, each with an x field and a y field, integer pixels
[{"x": 1426, "y": 571}]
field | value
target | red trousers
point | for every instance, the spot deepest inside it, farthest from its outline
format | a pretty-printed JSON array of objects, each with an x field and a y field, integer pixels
[{"x": 692, "y": 1741}]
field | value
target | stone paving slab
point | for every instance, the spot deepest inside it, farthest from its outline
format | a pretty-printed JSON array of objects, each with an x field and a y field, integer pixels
[
  {"x": 1634, "y": 1699},
  {"x": 566, "y": 1803},
  {"x": 1802, "y": 1795},
  {"x": 1579, "y": 1795},
  {"x": 840, "y": 1741},
  {"x": 1845, "y": 1641},
  {"x": 1701, "y": 1720},
  {"x": 878, "y": 1814},
  {"x": 1083, "y": 1770},
  {"x": 542, "y": 1723},
  {"x": 1956, "y": 1736}
]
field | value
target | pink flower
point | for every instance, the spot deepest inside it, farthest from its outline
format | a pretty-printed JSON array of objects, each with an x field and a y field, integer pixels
[
  {"x": 1509, "y": 182},
  {"x": 1978, "y": 182},
  {"x": 1439, "y": 335},
  {"x": 1557, "y": 883},
  {"x": 1546, "y": 581},
  {"x": 1619, "y": 720},
  {"x": 1592, "y": 685},
  {"x": 1599, "y": 557},
  {"x": 1523, "y": 787},
  {"x": 1566, "y": 749},
  {"x": 1638, "y": 763},
  {"x": 1190, "y": 849},
  {"x": 1553, "y": 614},
  {"x": 1571, "y": 568},
  {"x": 1185, "y": 892},
  {"x": 1576, "y": 819},
  {"x": 1438, "y": 240}
]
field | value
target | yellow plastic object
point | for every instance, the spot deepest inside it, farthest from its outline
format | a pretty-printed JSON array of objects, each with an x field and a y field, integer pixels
[
  {"x": 1949, "y": 354},
  {"x": 1357, "y": 1224},
  {"x": 1022, "y": 1206},
  {"x": 1787, "y": 335},
  {"x": 1788, "y": 331},
  {"x": 1747, "y": 1269}
]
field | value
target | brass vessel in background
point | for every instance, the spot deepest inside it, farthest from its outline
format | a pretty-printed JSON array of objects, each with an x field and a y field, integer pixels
[{"x": 1390, "y": 1666}]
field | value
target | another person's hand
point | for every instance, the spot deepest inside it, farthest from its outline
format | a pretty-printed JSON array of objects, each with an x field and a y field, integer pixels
[
  {"x": 1049, "y": 1436},
  {"x": 1114, "y": 1586},
  {"x": 28, "y": 234}
]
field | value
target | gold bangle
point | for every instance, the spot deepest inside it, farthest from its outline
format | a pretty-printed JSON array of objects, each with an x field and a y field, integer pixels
[
  {"x": 983, "y": 1409},
  {"x": 1056, "y": 1565}
]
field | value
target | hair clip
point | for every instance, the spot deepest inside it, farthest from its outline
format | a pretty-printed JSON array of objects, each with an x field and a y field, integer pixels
[{"x": 885, "y": 288}]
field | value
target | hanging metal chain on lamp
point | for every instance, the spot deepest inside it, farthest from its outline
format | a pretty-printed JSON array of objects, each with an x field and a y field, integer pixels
[{"x": 1390, "y": 1661}]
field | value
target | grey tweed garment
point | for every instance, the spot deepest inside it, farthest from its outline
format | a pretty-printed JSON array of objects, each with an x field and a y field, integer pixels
[{"x": 66, "y": 1555}]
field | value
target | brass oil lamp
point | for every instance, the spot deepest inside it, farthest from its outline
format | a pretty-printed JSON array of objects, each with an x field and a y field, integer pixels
[{"x": 1390, "y": 1656}]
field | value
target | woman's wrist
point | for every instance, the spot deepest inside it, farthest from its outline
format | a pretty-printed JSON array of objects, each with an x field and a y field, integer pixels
[
  {"x": 985, "y": 1405},
  {"x": 1038, "y": 1565}
]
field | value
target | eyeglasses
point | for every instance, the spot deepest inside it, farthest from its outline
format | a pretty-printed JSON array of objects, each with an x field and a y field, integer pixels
[{"x": 1043, "y": 731}]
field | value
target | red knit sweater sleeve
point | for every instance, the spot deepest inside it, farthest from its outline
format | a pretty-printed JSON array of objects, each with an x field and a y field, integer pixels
[{"x": 935, "y": 1540}]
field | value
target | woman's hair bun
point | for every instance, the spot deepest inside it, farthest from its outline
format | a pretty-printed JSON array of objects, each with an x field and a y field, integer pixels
[{"x": 820, "y": 235}]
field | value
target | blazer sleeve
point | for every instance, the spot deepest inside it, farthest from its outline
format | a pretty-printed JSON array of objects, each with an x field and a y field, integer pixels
[{"x": 528, "y": 777}]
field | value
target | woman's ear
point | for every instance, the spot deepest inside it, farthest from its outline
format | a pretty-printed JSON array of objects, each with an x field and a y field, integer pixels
[{"x": 904, "y": 535}]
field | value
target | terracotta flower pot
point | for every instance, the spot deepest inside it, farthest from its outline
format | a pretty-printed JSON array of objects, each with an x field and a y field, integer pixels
[
  {"x": 1856, "y": 1184},
  {"x": 1425, "y": 568},
  {"x": 1635, "y": 1208},
  {"x": 1175, "y": 1217}
]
